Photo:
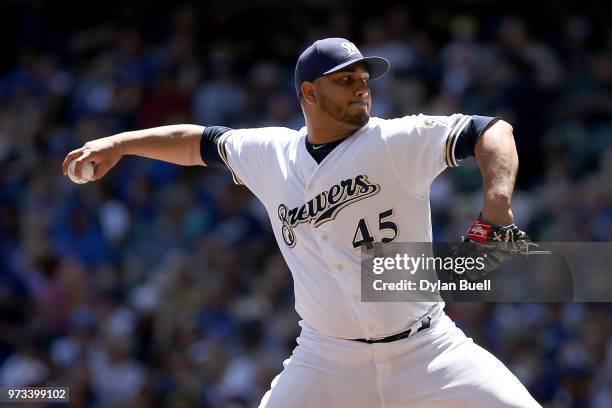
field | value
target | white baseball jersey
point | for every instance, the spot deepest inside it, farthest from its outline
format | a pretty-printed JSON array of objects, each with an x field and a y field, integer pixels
[{"x": 374, "y": 186}]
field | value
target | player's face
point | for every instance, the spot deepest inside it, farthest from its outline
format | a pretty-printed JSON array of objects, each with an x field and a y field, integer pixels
[{"x": 345, "y": 95}]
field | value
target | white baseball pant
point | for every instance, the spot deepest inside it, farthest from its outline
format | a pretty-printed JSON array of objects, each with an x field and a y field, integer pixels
[{"x": 436, "y": 368}]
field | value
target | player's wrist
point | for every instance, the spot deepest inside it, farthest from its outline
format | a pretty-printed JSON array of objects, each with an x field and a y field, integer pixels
[
  {"x": 121, "y": 143},
  {"x": 496, "y": 214}
]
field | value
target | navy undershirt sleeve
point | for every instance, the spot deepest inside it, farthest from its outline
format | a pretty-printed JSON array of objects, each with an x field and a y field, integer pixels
[
  {"x": 208, "y": 145},
  {"x": 467, "y": 139}
]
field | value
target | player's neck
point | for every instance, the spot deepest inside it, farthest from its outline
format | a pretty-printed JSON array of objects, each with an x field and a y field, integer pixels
[{"x": 327, "y": 133}]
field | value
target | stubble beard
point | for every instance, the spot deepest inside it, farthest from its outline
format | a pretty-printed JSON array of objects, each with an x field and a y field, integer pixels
[{"x": 339, "y": 113}]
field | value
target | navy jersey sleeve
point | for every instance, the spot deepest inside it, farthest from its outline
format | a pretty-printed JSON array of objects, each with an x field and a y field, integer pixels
[
  {"x": 209, "y": 145},
  {"x": 469, "y": 135}
]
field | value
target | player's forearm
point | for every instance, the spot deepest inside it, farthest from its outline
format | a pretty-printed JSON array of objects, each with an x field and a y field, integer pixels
[
  {"x": 179, "y": 144},
  {"x": 498, "y": 161}
]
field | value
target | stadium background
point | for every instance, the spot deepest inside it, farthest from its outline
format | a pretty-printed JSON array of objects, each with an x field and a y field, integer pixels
[{"x": 162, "y": 285}]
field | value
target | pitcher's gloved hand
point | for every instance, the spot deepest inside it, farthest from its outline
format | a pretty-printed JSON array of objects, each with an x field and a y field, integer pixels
[{"x": 494, "y": 244}]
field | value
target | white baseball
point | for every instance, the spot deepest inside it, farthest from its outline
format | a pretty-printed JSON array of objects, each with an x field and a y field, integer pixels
[{"x": 87, "y": 172}]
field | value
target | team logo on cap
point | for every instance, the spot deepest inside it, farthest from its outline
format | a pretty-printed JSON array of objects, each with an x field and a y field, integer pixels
[{"x": 349, "y": 47}]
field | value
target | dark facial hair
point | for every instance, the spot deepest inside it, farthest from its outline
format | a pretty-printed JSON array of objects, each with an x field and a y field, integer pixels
[{"x": 340, "y": 113}]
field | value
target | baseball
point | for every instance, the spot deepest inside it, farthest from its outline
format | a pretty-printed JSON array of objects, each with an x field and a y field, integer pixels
[{"x": 87, "y": 172}]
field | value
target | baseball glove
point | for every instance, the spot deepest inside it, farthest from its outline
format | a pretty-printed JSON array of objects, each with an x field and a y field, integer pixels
[{"x": 493, "y": 244}]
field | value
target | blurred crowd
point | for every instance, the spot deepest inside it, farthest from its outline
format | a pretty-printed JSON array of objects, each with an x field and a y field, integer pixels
[{"x": 162, "y": 285}]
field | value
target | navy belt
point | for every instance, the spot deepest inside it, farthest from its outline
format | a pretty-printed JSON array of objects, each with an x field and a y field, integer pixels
[{"x": 425, "y": 323}]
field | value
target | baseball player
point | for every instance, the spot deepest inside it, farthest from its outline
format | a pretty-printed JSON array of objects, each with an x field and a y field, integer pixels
[{"x": 343, "y": 181}]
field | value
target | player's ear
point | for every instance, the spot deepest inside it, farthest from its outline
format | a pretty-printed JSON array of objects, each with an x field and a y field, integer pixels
[{"x": 308, "y": 93}]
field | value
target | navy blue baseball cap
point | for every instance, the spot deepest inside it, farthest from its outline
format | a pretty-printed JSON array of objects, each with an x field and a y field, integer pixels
[{"x": 330, "y": 55}]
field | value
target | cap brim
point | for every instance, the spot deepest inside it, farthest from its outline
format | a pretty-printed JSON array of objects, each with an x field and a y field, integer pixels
[{"x": 377, "y": 66}]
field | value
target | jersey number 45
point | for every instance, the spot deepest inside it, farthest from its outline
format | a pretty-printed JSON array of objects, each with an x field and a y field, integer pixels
[{"x": 363, "y": 236}]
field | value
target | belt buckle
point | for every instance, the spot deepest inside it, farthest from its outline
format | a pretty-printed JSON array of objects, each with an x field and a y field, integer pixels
[{"x": 425, "y": 324}]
